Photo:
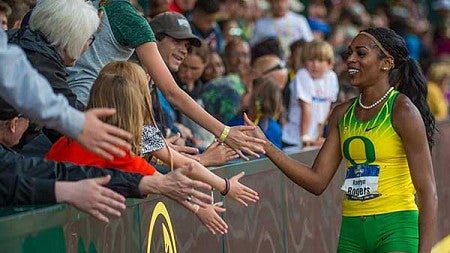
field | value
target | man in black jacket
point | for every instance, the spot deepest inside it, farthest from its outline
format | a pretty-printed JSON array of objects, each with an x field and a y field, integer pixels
[{"x": 93, "y": 190}]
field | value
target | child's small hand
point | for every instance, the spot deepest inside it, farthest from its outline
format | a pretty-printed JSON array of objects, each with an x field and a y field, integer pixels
[
  {"x": 210, "y": 218},
  {"x": 240, "y": 192}
]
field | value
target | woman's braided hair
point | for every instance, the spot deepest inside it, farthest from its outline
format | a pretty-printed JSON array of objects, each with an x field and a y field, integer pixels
[{"x": 407, "y": 76}]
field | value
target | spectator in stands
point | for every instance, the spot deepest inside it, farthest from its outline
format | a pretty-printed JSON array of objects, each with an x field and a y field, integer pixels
[
  {"x": 385, "y": 136},
  {"x": 204, "y": 25},
  {"x": 31, "y": 94},
  {"x": 188, "y": 78},
  {"x": 117, "y": 41},
  {"x": 5, "y": 12},
  {"x": 222, "y": 96},
  {"x": 173, "y": 52},
  {"x": 22, "y": 177},
  {"x": 283, "y": 24},
  {"x": 37, "y": 181},
  {"x": 442, "y": 37},
  {"x": 438, "y": 85},
  {"x": 313, "y": 90},
  {"x": 270, "y": 66},
  {"x": 51, "y": 42},
  {"x": 214, "y": 68},
  {"x": 237, "y": 58},
  {"x": 263, "y": 109},
  {"x": 182, "y": 6},
  {"x": 270, "y": 45},
  {"x": 133, "y": 103},
  {"x": 157, "y": 7},
  {"x": 230, "y": 29},
  {"x": 18, "y": 11}
]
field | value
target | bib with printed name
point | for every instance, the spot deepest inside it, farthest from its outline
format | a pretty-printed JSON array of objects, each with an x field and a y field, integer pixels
[
  {"x": 361, "y": 182},
  {"x": 377, "y": 178}
]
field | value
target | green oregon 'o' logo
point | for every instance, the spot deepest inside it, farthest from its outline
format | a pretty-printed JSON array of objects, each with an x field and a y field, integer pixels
[{"x": 369, "y": 149}]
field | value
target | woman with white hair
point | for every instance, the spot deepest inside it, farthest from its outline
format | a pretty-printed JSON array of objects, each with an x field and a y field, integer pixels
[{"x": 57, "y": 35}]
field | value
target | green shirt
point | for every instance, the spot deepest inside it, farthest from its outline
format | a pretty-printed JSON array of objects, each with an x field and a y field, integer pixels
[{"x": 128, "y": 27}]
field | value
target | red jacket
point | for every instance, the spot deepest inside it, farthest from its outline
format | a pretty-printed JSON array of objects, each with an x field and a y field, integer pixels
[{"x": 66, "y": 150}]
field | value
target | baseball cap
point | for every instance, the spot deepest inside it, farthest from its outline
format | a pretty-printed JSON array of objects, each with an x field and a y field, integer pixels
[
  {"x": 174, "y": 25},
  {"x": 7, "y": 112}
]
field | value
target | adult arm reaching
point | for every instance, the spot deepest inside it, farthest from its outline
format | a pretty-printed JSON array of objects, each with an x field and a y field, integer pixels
[
  {"x": 236, "y": 137},
  {"x": 31, "y": 94}
]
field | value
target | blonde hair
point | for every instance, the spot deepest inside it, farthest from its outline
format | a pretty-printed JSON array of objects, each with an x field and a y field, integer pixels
[
  {"x": 137, "y": 75},
  {"x": 266, "y": 98},
  {"x": 66, "y": 24},
  {"x": 137, "y": 113},
  {"x": 114, "y": 91},
  {"x": 318, "y": 50}
]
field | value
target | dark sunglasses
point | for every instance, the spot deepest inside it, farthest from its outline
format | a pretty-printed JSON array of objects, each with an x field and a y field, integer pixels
[
  {"x": 278, "y": 66},
  {"x": 91, "y": 40}
]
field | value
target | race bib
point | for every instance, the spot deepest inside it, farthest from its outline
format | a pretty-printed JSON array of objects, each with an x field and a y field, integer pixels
[{"x": 361, "y": 182}]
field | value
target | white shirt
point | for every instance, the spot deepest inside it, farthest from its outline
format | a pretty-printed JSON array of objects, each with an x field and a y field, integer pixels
[
  {"x": 320, "y": 93},
  {"x": 287, "y": 29}
]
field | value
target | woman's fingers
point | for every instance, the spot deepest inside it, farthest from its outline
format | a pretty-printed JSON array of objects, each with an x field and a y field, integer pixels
[
  {"x": 239, "y": 152},
  {"x": 249, "y": 151}
]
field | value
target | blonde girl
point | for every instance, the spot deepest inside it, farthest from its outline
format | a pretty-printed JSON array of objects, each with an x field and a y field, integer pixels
[{"x": 133, "y": 117}]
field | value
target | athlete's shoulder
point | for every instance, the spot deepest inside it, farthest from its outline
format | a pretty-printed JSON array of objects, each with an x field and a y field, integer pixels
[
  {"x": 342, "y": 108},
  {"x": 338, "y": 110},
  {"x": 403, "y": 106},
  {"x": 405, "y": 113}
]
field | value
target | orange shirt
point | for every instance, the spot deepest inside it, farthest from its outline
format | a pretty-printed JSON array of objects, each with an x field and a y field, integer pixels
[{"x": 65, "y": 150}]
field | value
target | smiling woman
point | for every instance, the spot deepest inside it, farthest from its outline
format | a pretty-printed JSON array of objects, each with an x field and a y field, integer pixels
[{"x": 386, "y": 147}]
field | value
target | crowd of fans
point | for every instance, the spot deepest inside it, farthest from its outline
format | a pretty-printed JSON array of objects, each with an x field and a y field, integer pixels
[
  {"x": 281, "y": 63},
  {"x": 240, "y": 32}
]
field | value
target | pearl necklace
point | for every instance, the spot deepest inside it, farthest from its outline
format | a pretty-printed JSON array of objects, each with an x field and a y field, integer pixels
[{"x": 368, "y": 107}]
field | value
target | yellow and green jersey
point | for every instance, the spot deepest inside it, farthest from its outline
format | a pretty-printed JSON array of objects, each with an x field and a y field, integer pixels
[{"x": 374, "y": 144}]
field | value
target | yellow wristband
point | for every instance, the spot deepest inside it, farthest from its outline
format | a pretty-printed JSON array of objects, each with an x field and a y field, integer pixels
[{"x": 224, "y": 134}]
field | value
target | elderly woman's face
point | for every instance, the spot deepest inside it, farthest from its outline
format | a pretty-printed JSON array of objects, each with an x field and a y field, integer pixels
[{"x": 68, "y": 61}]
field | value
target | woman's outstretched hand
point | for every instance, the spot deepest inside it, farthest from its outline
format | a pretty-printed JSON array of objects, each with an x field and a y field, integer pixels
[
  {"x": 256, "y": 132},
  {"x": 216, "y": 154},
  {"x": 240, "y": 192},
  {"x": 239, "y": 139}
]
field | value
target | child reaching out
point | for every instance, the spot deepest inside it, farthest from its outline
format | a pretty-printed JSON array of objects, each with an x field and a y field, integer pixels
[
  {"x": 313, "y": 89},
  {"x": 123, "y": 85}
]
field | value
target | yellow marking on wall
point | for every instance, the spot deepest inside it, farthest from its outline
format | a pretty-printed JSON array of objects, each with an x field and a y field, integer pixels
[
  {"x": 443, "y": 246},
  {"x": 170, "y": 245}
]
